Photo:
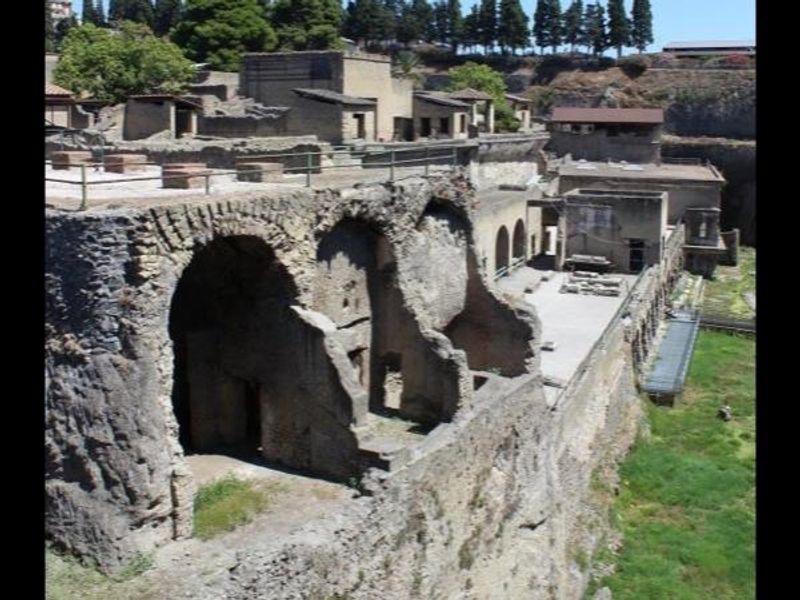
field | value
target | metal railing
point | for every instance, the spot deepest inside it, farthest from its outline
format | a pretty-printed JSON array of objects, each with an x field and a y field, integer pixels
[
  {"x": 513, "y": 266},
  {"x": 433, "y": 154}
]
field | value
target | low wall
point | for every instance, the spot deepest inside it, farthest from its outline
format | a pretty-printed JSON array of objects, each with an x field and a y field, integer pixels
[{"x": 241, "y": 126}]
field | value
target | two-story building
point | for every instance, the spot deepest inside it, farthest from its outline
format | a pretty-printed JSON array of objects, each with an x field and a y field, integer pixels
[{"x": 629, "y": 134}]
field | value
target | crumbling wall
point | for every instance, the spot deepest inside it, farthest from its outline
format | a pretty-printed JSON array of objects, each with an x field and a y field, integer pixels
[{"x": 115, "y": 468}]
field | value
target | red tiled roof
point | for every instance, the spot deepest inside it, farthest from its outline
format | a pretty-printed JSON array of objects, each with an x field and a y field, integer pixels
[
  {"x": 639, "y": 116},
  {"x": 51, "y": 89}
]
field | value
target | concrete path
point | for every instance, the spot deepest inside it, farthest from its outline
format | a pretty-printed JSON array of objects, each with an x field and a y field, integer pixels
[{"x": 573, "y": 321}]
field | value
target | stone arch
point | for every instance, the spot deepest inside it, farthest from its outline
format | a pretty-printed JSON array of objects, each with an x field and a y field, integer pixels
[
  {"x": 252, "y": 377},
  {"x": 518, "y": 246},
  {"x": 501, "y": 248}
]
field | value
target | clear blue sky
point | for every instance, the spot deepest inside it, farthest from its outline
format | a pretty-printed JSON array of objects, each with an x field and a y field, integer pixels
[{"x": 673, "y": 20}]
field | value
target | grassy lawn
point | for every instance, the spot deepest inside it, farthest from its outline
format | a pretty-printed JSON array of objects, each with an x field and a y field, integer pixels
[
  {"x": 687, "y": 502},
  {"x": 724, "y": 295}
]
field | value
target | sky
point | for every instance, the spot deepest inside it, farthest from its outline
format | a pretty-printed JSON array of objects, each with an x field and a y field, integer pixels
[{"x": 673, "y": 20}]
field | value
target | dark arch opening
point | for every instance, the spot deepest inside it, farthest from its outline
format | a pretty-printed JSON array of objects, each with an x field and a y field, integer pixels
[
  {"x": 501, "y": 249},
  {"x": 251, "y": 377},
  {"x": 230, "y": 303},
  {"x": 518, "y": 246}
]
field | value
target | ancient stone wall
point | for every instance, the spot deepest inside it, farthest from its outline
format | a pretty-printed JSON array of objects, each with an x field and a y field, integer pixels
[{"x": 493, "y": 504}]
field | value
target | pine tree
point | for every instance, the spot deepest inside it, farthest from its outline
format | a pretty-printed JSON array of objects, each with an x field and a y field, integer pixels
[
  {"x": 471, "y": 36},
  {"x": 441, "y": 20},
  {"x": 642, "y": 25},
  {"x": 455, "y": 21},
  {"x": 487, "y": 24},
  {"x": 512, "y": 26},
  {"x": 49, "y": 43},
  {"x": 139, "y": 11},
  {"x": 596, "y": 35},
  {"x": 553, "y": 26},
  {"x": 99, "y": 14},
  {"x": 422, "y": 15},
  {"x": 573, "y": 24},
  {"x": 540, "y": 24},
  {"x": 166, "y": 15},
  {"x": 619, "y": 34},
  {"x": 88, "y": 12}
]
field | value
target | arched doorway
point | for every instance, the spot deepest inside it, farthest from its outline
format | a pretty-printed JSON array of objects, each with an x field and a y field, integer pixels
[
  {"x": 518, "y": 246},
  {"x": 249, "y": 370},
  {"x": 501, "y": 249}
]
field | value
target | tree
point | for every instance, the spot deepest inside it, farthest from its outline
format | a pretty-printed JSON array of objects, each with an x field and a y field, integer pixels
[
  {"x": 573, "y": 24},
  {"x": 512, "y": 28},
  {"x": 480, "y": 77},
  {"x": 114, "y": 65},
  {"x": 423, "y": 15},
  {"x": 218, "y": 32},
  {"x": 455, "y": 22},
  {"x": 61, "y": 30},
  {"x": 642, "y": 25},
  {"x": 540, "y": 24},
  {"x": 485, "y": 79},
  {"x": 547, "y": 29},
  {"x": 619, "y": 31},
  {"x": 307, "y": 24},
  {"x": 49, "y": 32},
  {"x": 553, "y": 26},
  {"x": 441, "y": 25},
  {"x": 487, "y": 24},
  {"x": 88, "y": 14},
  {"x": 364, "y": 20},
  {"x": 166, "y": 15},
  {"x": 471, "y": 37},
  {"x": 139, "y": 11},
  {"x": 99, "y": 14},
  {"x": 595, "y": 28}
]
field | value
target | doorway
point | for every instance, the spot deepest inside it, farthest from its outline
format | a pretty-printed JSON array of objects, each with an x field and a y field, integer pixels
[{"x": 636, "y": 255}]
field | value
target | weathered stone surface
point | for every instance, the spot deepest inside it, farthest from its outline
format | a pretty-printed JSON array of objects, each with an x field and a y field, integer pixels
[{"x": 489, "y": 506}]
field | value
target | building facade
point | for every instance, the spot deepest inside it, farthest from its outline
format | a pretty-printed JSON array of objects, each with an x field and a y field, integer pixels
[{"x": 629, "y": 134}]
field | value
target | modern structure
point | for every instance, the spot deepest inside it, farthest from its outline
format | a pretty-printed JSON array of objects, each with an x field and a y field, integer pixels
[{"x": 712, "y": 48}]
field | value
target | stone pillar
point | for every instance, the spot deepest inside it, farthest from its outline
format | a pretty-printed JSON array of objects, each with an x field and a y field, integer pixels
[{"x": 490, "y": 116}]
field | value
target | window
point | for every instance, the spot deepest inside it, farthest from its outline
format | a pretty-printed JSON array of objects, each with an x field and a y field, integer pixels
[
  {"x": 703, "y": 229},
  {"x": 463, "y": 120},
  {"x": 444, "y": 125}
]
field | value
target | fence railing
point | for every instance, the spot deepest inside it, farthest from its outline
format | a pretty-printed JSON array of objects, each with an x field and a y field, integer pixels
[
  {"x": 433, "y": 154},
  {"x": 512, "y": 266}
]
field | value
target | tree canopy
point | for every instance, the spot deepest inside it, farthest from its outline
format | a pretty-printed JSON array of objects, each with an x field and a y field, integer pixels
[
  {"x": 573, "y": 24},
  {"x": 619, "y": 31},
  {"x": 114, "y": 65},
  {"x": 166, "y": 15},
  {"x": 512, "y": 29},
  {"x": 642, "y": 25},
  {"x": 307, "y": 24},
  {"x": 218, "y": 32},
  {"x": 479, "y": 77}
]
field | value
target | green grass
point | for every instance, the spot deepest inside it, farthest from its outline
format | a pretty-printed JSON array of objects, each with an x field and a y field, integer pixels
[
  {"x": 67, "y": 578},
  {"x": 227, "y": 503},
  {"x": 724, "y": 294},
  {"x": 687, "y": 503}
]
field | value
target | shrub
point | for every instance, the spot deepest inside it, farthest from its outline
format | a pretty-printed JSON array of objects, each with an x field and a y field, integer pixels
[{"x": 633, "y": 66}]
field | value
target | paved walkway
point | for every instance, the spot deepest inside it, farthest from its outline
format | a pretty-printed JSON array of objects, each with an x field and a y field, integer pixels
[{"x": 573, "y": 321}]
